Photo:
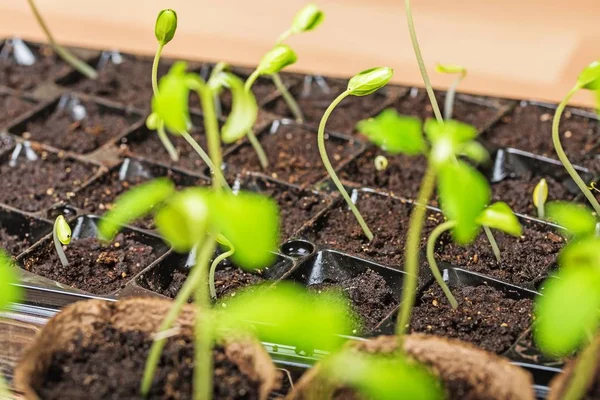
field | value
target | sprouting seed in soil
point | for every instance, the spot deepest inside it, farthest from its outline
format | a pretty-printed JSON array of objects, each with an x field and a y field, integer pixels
[
  {"x": 381, "y": 163},
  {"x": 362, "y": 84},
  {"x": 540, "y": 195},
  {"x": 451, "y": 94},
  {"x": 66, "y": 55},
  {"x": 61, "y": 234}
]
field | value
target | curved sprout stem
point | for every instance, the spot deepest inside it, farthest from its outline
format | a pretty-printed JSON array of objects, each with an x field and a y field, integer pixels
[
  {"x": 66, "y": 55},
  {"x": 289, "y": 99},
  {"x": 58, "y": 246},
  {"x": 411, "y": 252},
  {"x": 433, "y": 263},
  {"x": 450, "y": 97},
  {"x": 493, "y": 243},
  {"x": 200, "y": 151},
  {"x": 191, "y": 283},
  {"x": 541, "y": 207},
  {"x": 563, "y": 157},
  {"x": 162, "y": 135},
  {"x": 583, "y": 372},
  {"x": 213, "y": 267},
  {"x": 417, "y": 49},
  {"x": 285, "y": 35},
  {"x": 155, "y": 68},
  {"x": 260, "y": 152},
  {"x": 331, "y": 171},
  {"x": 251, "y": 79},
  {"x": 220, "y": 67}
]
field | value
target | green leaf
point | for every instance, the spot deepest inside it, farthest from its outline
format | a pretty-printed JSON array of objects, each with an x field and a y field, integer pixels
[
  {"x": 384, "y": 377},
  {"x": 133, "y": 204},
  {"x": 464, "y": 193},
  {"x": 9, "y": 293},
  {"x": 291, "y": 315},
  {"x": 254, "y": 242},
  {"x": 244, "y": 109},
  {"x": 152, "y": 121},
  {"x": 590, "y": 77},
  {"x": 166, "y": 25},
  {"x": 369, "y": 81},
  {"x": 395, "y": 133},
  {"x": 457, "y": 132},
  {"x": 451, "y": 69},
  {"x": 567, "y": 310},
  {"x": 500, "y": 216},
  {"x": 276, "y": 59},
  {"x": 475, "y": 151},
  {"x": 578, "y": 220},
  {"x": 540, "y": 193},
  {"x": 581, "y": 253},
  {"x": 184, "y": 220},
  {"x": 63, "y": 230},
  {"x": 307, "y": 19},
  {"x": 171, "y": 104}
]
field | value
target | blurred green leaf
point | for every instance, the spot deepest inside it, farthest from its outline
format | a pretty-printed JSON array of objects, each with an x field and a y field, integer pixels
[
  {"x": 590, "y": 77},
  {"x": 276, "y": 59},
  {"x": 567, "y": 310},
  {"x": 369, "y": 81},
  {"x": 307, "y": 19},
  {"x": 581, "y": 253},
  {"x": 500, "y": 216},
  {"x": 289, "y": 314},
  {"x": 578, "y": 220},
  {"x": 464, "y": 193},
  {"x": 540, "y": 193},
  {"x": 385, "y": 377},
  {"x": 171, "y": 104},
  {"x": 133, "y": 204},
  {"x": 395, "y": 133},
  {"x": 244, "y": 109},
  {"x": 451, "y": 69},
  {"x": 8, "y": 276},
  {"x": 457, "y": 132},
  {"x": 184, "y": 220},
  {"x": 475, "y": 151}
]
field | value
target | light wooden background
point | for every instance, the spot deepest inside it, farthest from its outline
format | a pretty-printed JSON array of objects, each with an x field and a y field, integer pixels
[{"x": 512, "y": 48}]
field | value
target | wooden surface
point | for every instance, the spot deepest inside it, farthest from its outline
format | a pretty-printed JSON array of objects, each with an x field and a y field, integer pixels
[{"x": 526, "y": 49}]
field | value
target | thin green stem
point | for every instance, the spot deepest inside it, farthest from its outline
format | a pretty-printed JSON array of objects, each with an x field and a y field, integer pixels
[
  {"x": 191, "y": 283},
  {"x": 329, "y": 167},
  {"x": 433, "y": 263},
  {"x": 283, "y": 36},
  {"x": 213, "y": 267},
  {"x": 411, "y": 252},
  {"x": 167, "y": 144},
  {"x": 417, "y": 49},
  {"x": 289, "y": 99},
  {"x": 450, "y": 97},
  {"x": 541, "y": 206},
  {"x": 155, "y": 69},
  {"x": 58, "y": 246},
  {"x": 218, "y": 174},
  {"x": 220, "y": 67},
  {"x": 251, "y": 79},
  {"x": 493, "y": 243},
  {"x": 583, "y": 372},
  {"x": 260, "y": 152},
  {"x": 563, "y": 157},
  {"x": 69, "y": 58}
]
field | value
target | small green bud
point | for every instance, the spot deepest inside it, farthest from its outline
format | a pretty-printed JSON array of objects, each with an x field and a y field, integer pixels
[
  {"x": 152, "y": 121},
  {"x": 590, "y": 77},
  {"x": 369, "y": 81},
  {"x": 540, "y": 193},
  {"x": 451, "y": 69},
  {"x": 276, "y": 59},
  {"x": 166, "y": 25},
  {"x": 307, "y": 19},
  {"x": 381, "y": 163},
  {"x": 63, "y": 230}
]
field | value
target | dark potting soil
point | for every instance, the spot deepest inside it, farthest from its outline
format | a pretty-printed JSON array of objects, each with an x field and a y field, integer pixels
[
  {"x": 484, "y": 317},
  {"x": 227, "y": 281},
  {"x": 110, "y": 364},
  {"x": 98, "y": 197},
  {"x": 402, "y": 176},
  {"x": 387, "y": 218},
  {"x": 525, "y": 260},
  {"x": 368, "y": 295},
  {"x": 13, "y": 244},
  {"x": 93, "y": 266},
  {"x": 468, "y": 112},
  {"x": 529, "y": 128},
  {"x": 345, "y": 116},
  {"x": 12, "y": 107},
  {"x": 47, "y": 67},
  {"x": 518, "y": 193},
  {"x": 293, "y": 155},
  {"x": 60, "y": 130},
  {"x": 36, "y": 185}
]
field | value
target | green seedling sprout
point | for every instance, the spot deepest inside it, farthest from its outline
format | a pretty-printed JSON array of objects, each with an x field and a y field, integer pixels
[
  {"x": 451, "y": 94},
  {"x": 465, "y": 209},
  {"x": 213, "y": 267},
  {"x": 540, "y": 195},
  {"x": 362, "y": 84},
  {"x": 567, "y": 312},
  {"x": 589, "y": 79},
  {"x": 66, "y": 55},
  {"x": 271, "y": 63},
  {"x": 381, "y": 163},
  {"x": 61, "y": 234}
]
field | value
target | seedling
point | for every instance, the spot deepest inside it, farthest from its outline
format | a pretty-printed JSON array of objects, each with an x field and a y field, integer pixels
[
  {"x": 567, "y": 312},
  {"x": 61, "y": 234},
  {"x": 540, "y": 195},
  {"x": 9, "y": 293},
  {"x": 362, "y": 84},
  {"x": 465, "y": 209},
  {"x": 589, "y": 79},
  {"x": 451, "y": 94},
  {"x": 66, "y": 55}
]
